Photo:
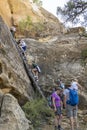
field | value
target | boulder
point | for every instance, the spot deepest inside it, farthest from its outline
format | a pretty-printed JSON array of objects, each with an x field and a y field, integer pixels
[{"x": 12, "y": 116}]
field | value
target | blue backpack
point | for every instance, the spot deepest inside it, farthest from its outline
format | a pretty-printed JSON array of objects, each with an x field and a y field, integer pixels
[{"x": 73, "y": 97}]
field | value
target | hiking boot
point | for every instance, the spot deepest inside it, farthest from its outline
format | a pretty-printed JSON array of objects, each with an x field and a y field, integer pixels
[{"x": 59, "y": 127}]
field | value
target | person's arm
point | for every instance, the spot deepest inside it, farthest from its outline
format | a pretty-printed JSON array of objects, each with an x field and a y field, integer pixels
[
  {"x": 79, "y": 86},
  {"x": 65, "y": 97},
  {"x": 61, "y": 104},
  {"x": 53, "y": 99},
  {"x": 64, "y": 101}
]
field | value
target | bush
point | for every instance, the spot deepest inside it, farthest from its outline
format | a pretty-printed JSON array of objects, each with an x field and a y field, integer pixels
[
  {"x": 25, "y": 24},
  {"x": 84, "y": 54},
  {"x": 37, "y": 111},
  {"x": 29, "y": 29},
  {"x": 38, "y": 2}
]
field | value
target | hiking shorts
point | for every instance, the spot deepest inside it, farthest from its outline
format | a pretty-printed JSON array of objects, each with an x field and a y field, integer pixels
[
  {"x": 24, "y": 48},
  {"x": 71, "y": 111},
  {"x": 58, "y": 111}
]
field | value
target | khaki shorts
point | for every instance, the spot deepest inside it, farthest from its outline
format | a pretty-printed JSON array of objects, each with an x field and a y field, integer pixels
[{"x": 71, "y": 111}]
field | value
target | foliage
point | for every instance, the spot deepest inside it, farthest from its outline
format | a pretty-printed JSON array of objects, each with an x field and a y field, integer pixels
[
  {"x": 37, "y": 111},
  {"x": 38, "y": 27},
  {"x": 28, "y": 28},
  {"x": 74, "y": 11},
  {"x": 84, "y": 54},
  {"x": 26, "y": 23},
  {"x": 38, "y": 2}
]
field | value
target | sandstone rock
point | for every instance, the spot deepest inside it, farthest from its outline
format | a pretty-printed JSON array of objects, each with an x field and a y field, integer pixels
[
  {"x": 85, "y": 119},
  {"x": 49, "y": 23},
  {"x": 1, "y": 98},
  {"x": 12, "y": 117},
  {"x": 59, "y": 57},
  {"x": 12, "y": 73}
]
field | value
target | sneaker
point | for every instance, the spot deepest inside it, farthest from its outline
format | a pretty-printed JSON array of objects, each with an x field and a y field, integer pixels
[{"x": 36, "y": 78}]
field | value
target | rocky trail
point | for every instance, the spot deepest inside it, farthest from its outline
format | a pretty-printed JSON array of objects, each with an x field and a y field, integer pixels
[{"x": 65, "y": 122}]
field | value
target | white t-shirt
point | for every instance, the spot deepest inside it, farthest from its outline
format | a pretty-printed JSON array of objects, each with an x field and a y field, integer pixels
[
  {"x": 66, "y": 93},
  {"x": 22, "y": 44},
  {"x": 74, "y": 85}
]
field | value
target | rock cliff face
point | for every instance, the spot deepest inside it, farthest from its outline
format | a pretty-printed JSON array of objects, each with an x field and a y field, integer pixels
[
  {"x": 19, "y": 10},
  {"x": 60, "y": 57},
  {"x": 13, "y": 80},
  {"x": 12, "y": 117}
]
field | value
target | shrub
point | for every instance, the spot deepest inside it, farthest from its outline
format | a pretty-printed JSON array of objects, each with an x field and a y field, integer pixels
[
  {"x": 84, "y": 54},
  {"x": 38, "y": 2},
  {"x": 37, "y": 111},
  {"x": 25, "y": 24},
  {"x": 29, "y": 29}
]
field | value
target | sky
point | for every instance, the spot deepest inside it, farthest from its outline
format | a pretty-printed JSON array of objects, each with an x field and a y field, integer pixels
[{"x": 51, "y": 5}]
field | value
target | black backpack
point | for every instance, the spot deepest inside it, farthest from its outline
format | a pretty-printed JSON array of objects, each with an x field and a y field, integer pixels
[{"x": 50, "y": 102}]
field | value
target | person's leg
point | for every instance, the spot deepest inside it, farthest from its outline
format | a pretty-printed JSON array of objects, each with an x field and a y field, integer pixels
[
  {"x": 71, "y": 123},
  {"x": 59, "y": 121},
  {"x": 76, "y": 123},
  {"x": 23, "y": 49},
  {"x": 36, "y": 75},
  {"x": 70, "y": 116},
  {"x": 56, "y": 122},
  {"x": 59, "y": 117},
  {"x": 75, "y": 117},
  {"x": 34, "y": 71}
]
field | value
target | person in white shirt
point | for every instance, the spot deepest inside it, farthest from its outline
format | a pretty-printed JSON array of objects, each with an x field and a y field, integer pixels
[
  {"x": 22, "y": 45},
  {"x": 75, "y": 85}
]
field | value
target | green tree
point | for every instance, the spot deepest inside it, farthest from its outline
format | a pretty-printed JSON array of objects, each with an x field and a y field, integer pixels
[{"x": 74, "y": 11}]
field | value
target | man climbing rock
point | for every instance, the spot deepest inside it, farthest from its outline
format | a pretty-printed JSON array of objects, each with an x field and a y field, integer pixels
[
  {"x": 22, "y": 45},
  {"x": 36, "y": 70}
]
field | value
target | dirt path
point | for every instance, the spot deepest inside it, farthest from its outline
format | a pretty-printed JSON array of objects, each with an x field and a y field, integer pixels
[{"x": 66, "y": 125}]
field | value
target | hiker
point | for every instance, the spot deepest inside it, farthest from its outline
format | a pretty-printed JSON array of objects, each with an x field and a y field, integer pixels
[
  {"x": 71, "y": 101},
  {"x": 57, "y": 104},
  {"x": 22, "y": 45},
  {"x": 75, "y": 85},
  {"x": 62, "y": 86},
  {"x": 60, "y": 83},
  {"x": 13, "y": 31},
  {"x": 36, "y": 70}
]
